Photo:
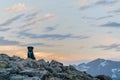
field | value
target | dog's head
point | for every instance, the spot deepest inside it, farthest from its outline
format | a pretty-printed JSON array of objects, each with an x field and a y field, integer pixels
[{"x": 30, "y": 48}]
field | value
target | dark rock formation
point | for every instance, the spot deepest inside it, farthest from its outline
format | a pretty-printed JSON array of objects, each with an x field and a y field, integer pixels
[
  {"x": 30, "y": 52},
  {"x": 16, "y": 68},
  {"x": 103, "y": 77}
]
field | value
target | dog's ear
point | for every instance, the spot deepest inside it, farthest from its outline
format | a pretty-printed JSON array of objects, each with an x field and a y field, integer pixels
[{"x": 30, "y": 47}]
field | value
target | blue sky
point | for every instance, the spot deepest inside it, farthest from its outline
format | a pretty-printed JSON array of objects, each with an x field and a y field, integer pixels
[{"x": 69, "y": 31}]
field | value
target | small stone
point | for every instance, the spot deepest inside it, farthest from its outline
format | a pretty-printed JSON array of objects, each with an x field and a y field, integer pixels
[
  {"x": 17, "y": 77},
  {"x": 4, "y": 64}
]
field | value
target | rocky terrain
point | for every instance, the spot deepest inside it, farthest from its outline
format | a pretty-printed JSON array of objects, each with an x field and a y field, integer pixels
[{"x": 16, "y": 68}]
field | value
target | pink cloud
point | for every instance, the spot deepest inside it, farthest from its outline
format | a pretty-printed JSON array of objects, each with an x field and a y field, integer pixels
[
  {"x": 49, "y": 15},
  {"x": 83, "y": 3},
  {"x": 17, "y": 7}
]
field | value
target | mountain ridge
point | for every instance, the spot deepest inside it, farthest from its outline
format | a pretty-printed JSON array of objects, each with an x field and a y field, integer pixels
[{"x": 101, "y": 66}]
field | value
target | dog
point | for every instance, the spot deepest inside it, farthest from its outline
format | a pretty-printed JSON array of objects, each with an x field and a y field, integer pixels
[{"x": 30, "y": 52}]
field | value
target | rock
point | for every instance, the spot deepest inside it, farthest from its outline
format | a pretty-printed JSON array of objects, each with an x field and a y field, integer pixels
[
  {"x": 55, "y": 67},
  {"x": 42, "y": 63},
  {"x": 30, "y": 72},
  {"x": 15, "y": 58},
  {"x": 32, "y": 78},
  {"x": 103, "y": 77},
  {"x": 30, "y": 63},
  {"x": 4, "y": 74},
  {"x": 55, "y": 64},
  {"x": 4, "y": 57},
  {"x": 4, "y": 64},
  {"x": 17, "y": 77},
  {"x": 16, "y": 68}
]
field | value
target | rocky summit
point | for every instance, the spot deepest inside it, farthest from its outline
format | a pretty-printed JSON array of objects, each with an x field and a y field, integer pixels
[{"x": 16, "y": 68}]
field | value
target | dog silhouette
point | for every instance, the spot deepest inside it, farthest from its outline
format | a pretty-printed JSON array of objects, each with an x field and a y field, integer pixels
[{"x": 30, "y": 52}]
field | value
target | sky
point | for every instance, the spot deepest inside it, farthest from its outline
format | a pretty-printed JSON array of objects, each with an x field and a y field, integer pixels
[{"x": 70, "y": 31}]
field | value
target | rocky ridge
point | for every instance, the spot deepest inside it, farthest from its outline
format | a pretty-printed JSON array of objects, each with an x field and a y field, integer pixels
[{"x": 16, "y": 68}]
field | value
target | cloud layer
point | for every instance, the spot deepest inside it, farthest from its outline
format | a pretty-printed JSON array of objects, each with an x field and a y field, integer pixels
[
  {"x": 16, "y": 7},
  {"x": 7, "y": 42},
  {"x": 111, "y": 24},
  {"x": 109, "y": 47}
]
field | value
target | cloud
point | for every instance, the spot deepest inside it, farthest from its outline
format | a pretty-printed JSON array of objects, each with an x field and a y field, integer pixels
[
  {"x": 4, "y": 29},
  {"x": 50, "y": 56},
  {"x": 48, "y": 29},
  {"x": 111, "y": 24},
  {"x": 114, "y": 11},
  {"x": 49, "y": 15},
  {"x": 16, "y": 7},
  {"x": 84, "y": 7},
  {"x": 38, "y": 44},
  {"x": 104, "y": 17},
  {"x": 109, "y": 47},
  {"x": 11, "y": 20},
  {"x": 31, "y": 15},
  {"x": 7, "y": 42},
  {"x": 50, "y": 36},
  {"x": 97, "y": 18},
  {"x": 51, "y": 28},
  {"x": 105, "y": 2},
  {"x": 85, "y": 4},
  {"x": 34, "y": 18},
  {"x": 25, "y": 19}
]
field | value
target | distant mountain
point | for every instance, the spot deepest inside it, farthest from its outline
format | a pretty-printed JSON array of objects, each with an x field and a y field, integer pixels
[{"x": 101, "y": 66}]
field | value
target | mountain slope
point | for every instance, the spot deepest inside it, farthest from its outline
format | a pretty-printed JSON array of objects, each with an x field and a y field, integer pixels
[
  {"x": 16, "y": 68},
  {"x": 101, "y": 66}
]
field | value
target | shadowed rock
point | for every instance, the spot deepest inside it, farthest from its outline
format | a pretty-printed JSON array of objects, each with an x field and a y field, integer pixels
[{"x": 103, "y": 77}]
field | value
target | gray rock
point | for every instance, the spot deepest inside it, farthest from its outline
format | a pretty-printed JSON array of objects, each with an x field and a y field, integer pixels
[
  {"x": 4, "y": 57},
  {"x": 55, "y": 64},
  {"x": 17, "y": 77},
  {"x": 30, "y": 72},
  {"x": 4, "y": 74},
  {"x": 103, "y": 77},
  {"x": 42, "y": 63},
  {"x": 15, "y": 58},
  {"x": 32, "y": 78},
  {"x": 4, "y": 64},
  {"x": 16, "y": 68}
]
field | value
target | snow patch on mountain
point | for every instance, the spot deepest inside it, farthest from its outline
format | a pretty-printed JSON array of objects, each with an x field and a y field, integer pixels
[
  {"x": 103, "y": 63},
  {"x": 114, "y": 73},
  {"x": 84, "y": 68}
]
